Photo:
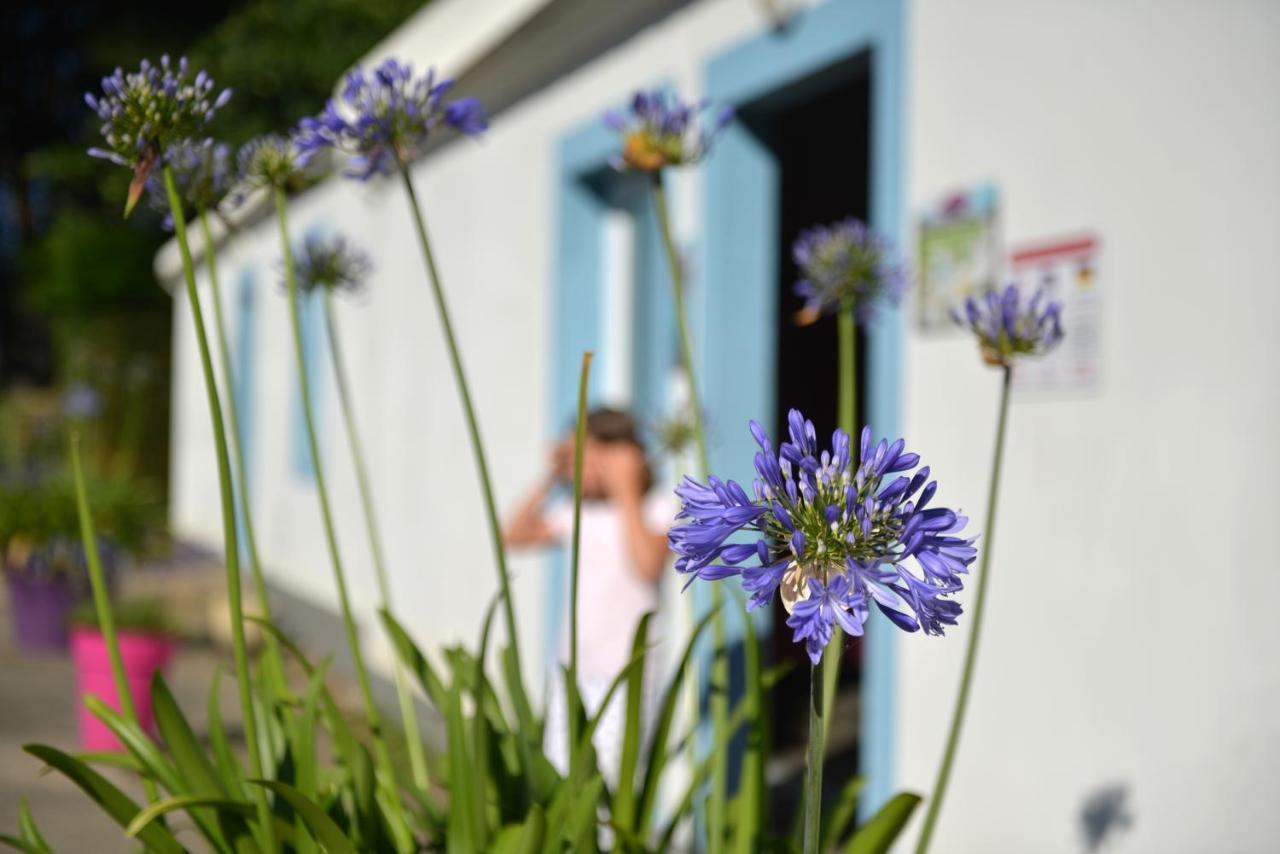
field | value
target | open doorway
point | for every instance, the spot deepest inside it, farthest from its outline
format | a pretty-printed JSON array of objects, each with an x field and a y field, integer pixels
[{"x": 818, "y": 132}]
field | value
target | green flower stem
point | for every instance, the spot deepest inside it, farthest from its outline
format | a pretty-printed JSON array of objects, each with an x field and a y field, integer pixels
[
  {"x": 326, "y": 511},
  {"x": 473, "y": 427},
  {"x": 102, "y": 601},
  {"x": 231, "y": 545},
  {"x": 273, "y": 663},
  {"x": 847, "y": 400},
  {"x": 580, "y": 441},
  {"x": 682, "y": 322},
  {"x": 975, "y": 625},
  {"x": 815, "y": 757},
  {"x": 408, "y": 714},
  {"x": 717, "y": 800},
  {"x": 847, "y": 412}
]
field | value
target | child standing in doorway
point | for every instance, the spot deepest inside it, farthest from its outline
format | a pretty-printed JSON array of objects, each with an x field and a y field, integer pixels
[{"x": 622, "y": 559}]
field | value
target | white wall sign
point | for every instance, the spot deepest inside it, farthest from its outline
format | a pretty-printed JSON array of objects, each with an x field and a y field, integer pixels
[{"x": 960, "y": 254}]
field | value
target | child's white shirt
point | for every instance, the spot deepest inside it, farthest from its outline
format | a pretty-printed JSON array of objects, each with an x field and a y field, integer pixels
[{"x": 612, "y": 595}]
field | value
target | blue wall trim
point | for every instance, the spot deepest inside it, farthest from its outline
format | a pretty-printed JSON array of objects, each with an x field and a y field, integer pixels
[
  {"x": 740, "y": 260},
  {"x": 587, "y": 190},
  {"x": 242, "y": 364},
  {"x": 575, "y": 314},
  {"x": 316, "y": 354}
]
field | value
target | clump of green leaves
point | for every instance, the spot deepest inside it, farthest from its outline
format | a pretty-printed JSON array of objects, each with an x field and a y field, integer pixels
[
  {"x": 144, "y": 615},
  {"x": 39, "y": 513}
]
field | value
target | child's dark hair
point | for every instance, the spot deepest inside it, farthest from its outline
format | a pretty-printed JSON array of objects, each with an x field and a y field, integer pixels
[{"x": 608, "y": 425}]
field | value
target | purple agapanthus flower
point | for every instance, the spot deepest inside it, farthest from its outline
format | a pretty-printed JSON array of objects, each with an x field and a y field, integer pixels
[
  {"x": 661, "y": 130},
  {"x": 386, "y": 118},
  {"x": 846, "y": 264},
  {"x": 832, "y": 536},
  {"x": 272, "y": 161},
  {"x": 202, "y": 171},
  {"x": 147, "y": 111},
  {"x": 1008, "y": 326},
  {"x": 330, "y": 263}
]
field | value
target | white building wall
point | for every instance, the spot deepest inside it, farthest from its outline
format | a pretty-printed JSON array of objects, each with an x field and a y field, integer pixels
[
  {"x": 491, "y": 207},
  {"x": 1130, "y": 638}
]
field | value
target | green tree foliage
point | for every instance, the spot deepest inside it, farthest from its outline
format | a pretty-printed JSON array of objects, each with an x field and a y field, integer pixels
[
  {"x": 283, "y": 58},
  {"x": 106, "y": 322}
]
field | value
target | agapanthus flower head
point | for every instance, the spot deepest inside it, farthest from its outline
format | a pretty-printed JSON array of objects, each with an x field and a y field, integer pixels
[
  {"x": 330, "y": 263},
  {"x": 661, "y": 130},
  {"x": 386, "y": 118},
  {"x": 272, "y": 160},
  {"x": 202, "y": 171},
  {"x": 831, "y": 534},
  {"x": 676, "y": 433},
  {"x": 147, "y": 111},
  {"x": 846, "y": 264},
  {"x": 1008, "y": 326}
]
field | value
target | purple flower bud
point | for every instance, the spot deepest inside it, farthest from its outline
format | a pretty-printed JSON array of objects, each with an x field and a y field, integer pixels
[
  {"x": 663, "y": 131},
  {"x": 1008, "y": 327},
  {"x": 393, "y": 114},
  {"x": 467, "y": 116},
  {"x": 846, "y": 265},
  {"x": 332, "y": 264},
  {"x": 147, "y": 112}
]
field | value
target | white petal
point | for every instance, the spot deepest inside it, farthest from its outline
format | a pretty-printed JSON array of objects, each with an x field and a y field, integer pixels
[{"x": 795, "y": 587}]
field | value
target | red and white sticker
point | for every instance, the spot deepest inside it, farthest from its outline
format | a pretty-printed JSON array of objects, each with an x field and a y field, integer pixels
[{"x": 1068, "y": 270}]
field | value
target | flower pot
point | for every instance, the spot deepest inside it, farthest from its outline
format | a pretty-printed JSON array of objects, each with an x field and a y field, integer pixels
[
  {"x": 39, "y": 606},
  {"x": 45, "y": 585},
  {"x": 142, "y": 655}
]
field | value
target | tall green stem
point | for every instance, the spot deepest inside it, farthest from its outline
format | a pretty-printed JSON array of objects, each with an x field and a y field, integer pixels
[
  {"x": 231, "y": 545},
  {"x": 579, "y": 444},
  {"x": 847, "y": 406},
  {"x": 326, "y": 511},
  {"x": 975, "y": 625},
  {"x": 408, "y": 714},
  {"x": 847, "y": 374},
  {"x": 682, "y": 322},
  {"x": 273, "y": 660},
  {"x": 814, "y": 759},
  {"x": 473, "y": 428},
  {"x": 717, "y": 800},
  {"x": 102, "y": 601}
]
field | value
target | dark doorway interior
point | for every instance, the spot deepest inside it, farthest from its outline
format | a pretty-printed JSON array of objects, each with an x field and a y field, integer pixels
[{"x": 819, "y": 130}]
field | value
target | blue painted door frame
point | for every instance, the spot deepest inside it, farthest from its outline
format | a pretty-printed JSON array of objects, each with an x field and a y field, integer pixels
[
  {"x": 735, "y": 313},
  {"x": 242, "y": 372},
  {"x": 315, "y": 346},
  {"x": 733, "y": 298},
  {"x": 587, "y": 191}
]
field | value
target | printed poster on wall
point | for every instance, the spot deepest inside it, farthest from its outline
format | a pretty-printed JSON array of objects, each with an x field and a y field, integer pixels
[
  {"x": 1068, "y": 270},
  {"x": 960, "y": 254}
]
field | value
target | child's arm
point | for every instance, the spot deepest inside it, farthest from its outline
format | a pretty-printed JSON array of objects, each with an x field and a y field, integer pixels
[
  {"x": 528, "y": 526},
  {"x": 624, "y": 476}
]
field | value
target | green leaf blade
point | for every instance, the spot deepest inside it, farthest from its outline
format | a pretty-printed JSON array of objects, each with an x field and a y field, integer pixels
[
  {"x": 318, "y": 823},
  {"x": 115, "y": 803},
  {"x": 879, "y": 833}
]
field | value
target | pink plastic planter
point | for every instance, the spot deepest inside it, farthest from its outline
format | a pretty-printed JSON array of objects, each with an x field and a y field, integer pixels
[{"x": 142, "y": 654}]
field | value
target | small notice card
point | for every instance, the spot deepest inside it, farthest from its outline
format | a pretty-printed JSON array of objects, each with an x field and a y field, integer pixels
[
  {"x": 1068, "y": 271},
  {"x": 960, "y": 254}
]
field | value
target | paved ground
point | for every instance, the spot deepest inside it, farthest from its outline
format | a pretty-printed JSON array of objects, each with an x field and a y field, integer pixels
[{"x": 37, "y": 704}]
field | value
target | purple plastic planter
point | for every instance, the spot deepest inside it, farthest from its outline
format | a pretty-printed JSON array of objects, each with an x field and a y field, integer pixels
[
  {"x": 41, "y": 598},
  {"x": 40, "y": 606}
]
